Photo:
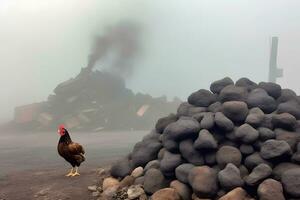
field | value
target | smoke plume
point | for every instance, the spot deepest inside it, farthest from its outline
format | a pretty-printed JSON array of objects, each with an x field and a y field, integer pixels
[{"x": 121, "y": 39}]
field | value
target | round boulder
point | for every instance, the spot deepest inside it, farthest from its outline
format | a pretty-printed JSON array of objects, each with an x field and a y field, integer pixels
[
  {"x": 223, "y": 122},
  {"x": 284, "y": 120},
  {"x": 255, "y": 117},
  {"x": 270, "y": 189},
  {"x": 166, "y": 194},
  {"x": 258, "y": 174},
  {"x": 218, "y": 85},
  {"x": 230, "y": 177},
  {"x": 266, "y": 134},
  {"x": 154, "y": 180},
  {"x": 182, "y": 172},
  {"x": 235, "y": 110},
  {"x": 291, "y": 107},
  {"x": 246, "y": 133},
  {"x": 247, "y": 83},
  {"x": 163, "y": 122},
  {"x": 121, "y": 169},
  {"x": 255, "y": 159},
  {"x": 203, "y": 181},
  {"x": 169, "y": 162},
  {"x": 182, "y": 189},
  {"x": 228, "y": 154},
  {"x": 283, "y": 167},
  {"x": 273, "y": 89},
  {"x": 184, "y": 127},
  {"x": 272, "y": 149},
  {"x": 291, "y": 182},
  {"x": 189, "y": 153},
  {"x": 205, "y": 140},
  {"x": 260, "y": 98},
  {"x": 202, "y": 98},
  {"x": 233, "y": 93}
]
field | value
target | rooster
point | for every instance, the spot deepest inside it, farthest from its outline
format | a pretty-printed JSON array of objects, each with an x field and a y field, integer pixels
[{"x": 72, "y": 152}]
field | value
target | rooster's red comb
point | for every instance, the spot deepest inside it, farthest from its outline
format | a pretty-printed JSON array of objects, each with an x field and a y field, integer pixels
[{"x": 61, "y": 127}]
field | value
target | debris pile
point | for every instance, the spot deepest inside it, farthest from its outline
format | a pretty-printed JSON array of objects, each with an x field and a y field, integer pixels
[
  {"x": 238, "y": 141},
  {"x": 94, "y": 101}
]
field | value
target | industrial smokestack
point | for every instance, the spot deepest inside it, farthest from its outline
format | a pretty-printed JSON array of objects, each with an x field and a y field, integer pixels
[{"x": 274, "y": 72}]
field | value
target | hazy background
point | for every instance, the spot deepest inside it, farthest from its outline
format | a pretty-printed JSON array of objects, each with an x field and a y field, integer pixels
[{"x": 186, "y": 44}]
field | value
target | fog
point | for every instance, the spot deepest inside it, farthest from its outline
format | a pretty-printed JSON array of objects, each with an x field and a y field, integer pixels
[{"x": 185, "y": 45}]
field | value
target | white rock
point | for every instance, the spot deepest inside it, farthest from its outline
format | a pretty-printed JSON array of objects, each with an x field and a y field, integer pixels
[
  {"x": 137, "y": 172},
  {"x": 135, "y": 191}
]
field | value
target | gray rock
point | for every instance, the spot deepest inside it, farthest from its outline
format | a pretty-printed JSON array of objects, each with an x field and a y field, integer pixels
[
  {"x": 235, "y": 110},
  {"x": 273, "y": 89},
  {"x": 154, "y": 180},
  {"x": 170, "y": 144},
  {"x": 284, "y": 120},
  {"x": 247, "y": 83},
  {"x": 202, "y": 98},
  {"x": 223, "y": 122},
  {"x": 193, "y": 110},
  {"x": 189, "y": 153},
  {"x": 203, "y": 181},
  {"x": 210, "y": 158},
  {"x": 291, "y": 182},
  {"x": 121, "y": 169},
  {"x": 228, "y": 154},
  {"x": 290, "y": 137},
  {"x": 183, "y": 109},
  {"x": 143, "y": 152},
  {"x": 255, "y": 117},
  {"x": 258, "y": 174},
  {"x": 182, "y": 172},
  {"x": 184, "y": 127},
  {"x": 270, "y": 189},
  {"x": 267, "y": 122},
  {"x": 205, "y": 140},
  {"x": 152, "y": 164},
  {"x": 287, "y": 95},
  {"x": 233, "y": 93},
  {"x": 246, "y": 133},
  {"x": 139, "y": 180},
  {"x": 215, "y": 107},
  {"x": 260, "y": 98},
  {"x": 272, "y": 149},
  {"x": 218, "y": 85},
  {"x": 163, "y": 122},
  {"x": 266, "y": 134},
  {"x": 283, "y": 167},
  {"x": 207, "y": 121},
  {"x": 246, "y": 149},
  {"x": 152, "y": 136},
  {"x": 254, "y": 160},
  {"x": 92, "y": 188},
  {"x": 243, "y": 171},
  {"x": 169, "y": 163},
  {"x": 230, "y": 177},
  {"x": 296, "y": 157},
  {"x": 291, "y": 107},
  {"x": 160, "y": 154},
  {"x": 182, "y": 189}
]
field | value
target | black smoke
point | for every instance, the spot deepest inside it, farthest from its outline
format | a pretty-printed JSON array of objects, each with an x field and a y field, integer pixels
[{"x": 124, "y": 40}]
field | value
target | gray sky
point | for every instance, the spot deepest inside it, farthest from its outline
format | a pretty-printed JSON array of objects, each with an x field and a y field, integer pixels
[{"x": 186, "y": 43}]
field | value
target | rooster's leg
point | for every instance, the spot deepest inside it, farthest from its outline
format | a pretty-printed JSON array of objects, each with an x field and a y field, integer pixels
[
  {"x": 76, "y": 172},
  {"x": 70, "y": 173}
]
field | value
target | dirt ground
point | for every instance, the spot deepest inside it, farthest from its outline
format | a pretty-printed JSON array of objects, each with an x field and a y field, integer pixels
[
  {"x": 47, "y": 185},
  {"x": 31, "y": 169}
]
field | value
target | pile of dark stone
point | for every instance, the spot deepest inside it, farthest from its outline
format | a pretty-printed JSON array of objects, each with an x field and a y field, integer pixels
[{"x": 237, "y": 141}]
